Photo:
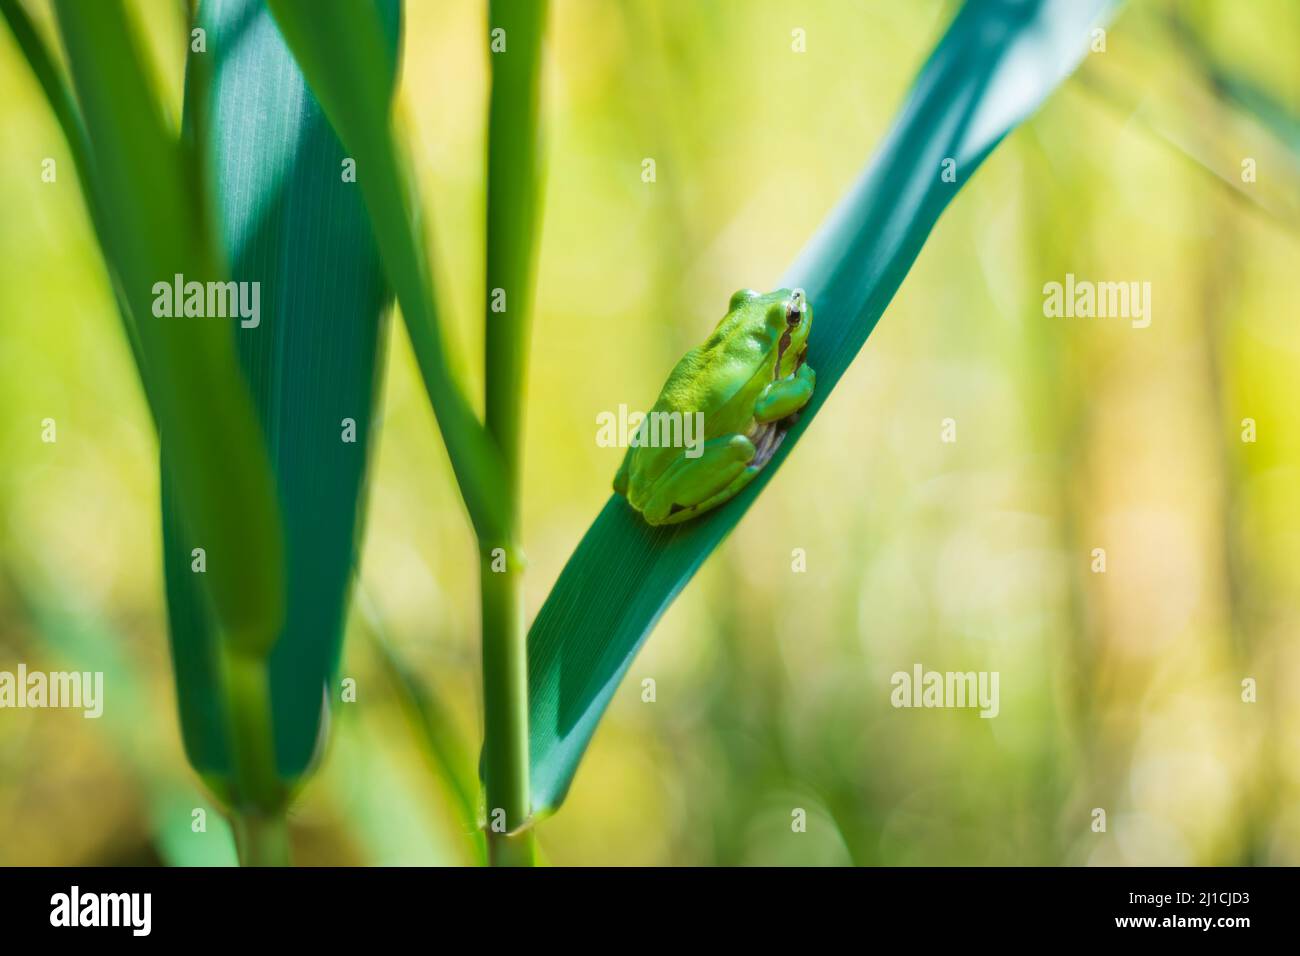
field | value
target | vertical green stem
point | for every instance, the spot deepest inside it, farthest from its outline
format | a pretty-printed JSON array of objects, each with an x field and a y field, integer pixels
[
  {"x": 262, "y": 839},
  {"x": 513, "y": 183},
  {"x": 258, "y": 796},
  {"x": 505, "y": 697}
]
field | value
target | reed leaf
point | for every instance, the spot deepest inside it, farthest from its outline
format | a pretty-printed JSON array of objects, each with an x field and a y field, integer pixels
[
  {"x": 996, "y": 63},
  {"x": 146, "y": 201},
  {"x": 353, "y": 73},
  {"x": 1237, "y": 87},
  {"x": 289, "y": 219},
  {"x": 64, "y": 105}
]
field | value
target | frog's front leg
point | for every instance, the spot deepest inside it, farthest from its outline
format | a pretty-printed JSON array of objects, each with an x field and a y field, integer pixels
[
  {"x": 784, "y": 397},
  {"x": 693, "y": 485}
]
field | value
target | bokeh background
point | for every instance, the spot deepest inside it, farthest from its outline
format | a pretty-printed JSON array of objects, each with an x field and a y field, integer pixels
[{"x": 1119, "y": 690}]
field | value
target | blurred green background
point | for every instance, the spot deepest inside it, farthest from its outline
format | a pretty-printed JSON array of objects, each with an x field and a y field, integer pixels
[{"x": 1119, "y": 690}]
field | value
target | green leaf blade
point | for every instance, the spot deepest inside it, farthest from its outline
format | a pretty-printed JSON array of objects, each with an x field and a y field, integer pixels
[
  {"x": 289, "y": 222},
  {"x": 334, "y": 50},
  {"x": 993, "y": 67},
  {"x": 146, "y": 198}
]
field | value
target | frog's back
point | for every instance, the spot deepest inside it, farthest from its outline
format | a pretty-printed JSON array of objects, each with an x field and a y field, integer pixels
[
  {"x": 722, "y": 375},
  {"x": 712, "y": 375}
]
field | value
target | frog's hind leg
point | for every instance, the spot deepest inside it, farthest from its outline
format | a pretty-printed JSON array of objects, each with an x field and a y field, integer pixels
[
  {"x": 689, "y": 482},
  {"x": 734, "y": 488}
]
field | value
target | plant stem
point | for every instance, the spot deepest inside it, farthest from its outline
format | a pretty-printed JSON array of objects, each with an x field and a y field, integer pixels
[
  {"x": 513, "y": 183},
  {"x": 262, "y": 839},
  {"x": 505, "y": 700},
  {"x": 257, "y": 796}
]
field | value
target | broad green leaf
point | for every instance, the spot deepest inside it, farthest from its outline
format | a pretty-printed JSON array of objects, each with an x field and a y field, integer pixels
[
  {"x": 352, "y": 74},
  {"x": 154, "y": 226},
  {"x": 290, "y": 220},
  {"x": 993, "y": 67},
  {"x": 41, "y": 60}
]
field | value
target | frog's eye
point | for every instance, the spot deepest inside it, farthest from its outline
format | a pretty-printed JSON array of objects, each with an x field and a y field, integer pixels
[
  {"x": 740, "y": 297},
  {"x": 794, "y": 308}
]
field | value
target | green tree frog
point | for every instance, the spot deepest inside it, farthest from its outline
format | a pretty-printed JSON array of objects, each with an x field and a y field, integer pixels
[{"x": 748, "y": 380}]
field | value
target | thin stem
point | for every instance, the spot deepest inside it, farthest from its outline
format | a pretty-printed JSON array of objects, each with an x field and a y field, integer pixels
[
  {"x": 256, "y": 786},
  {"x": 505, "y": 706},
  {"x": 513, "y": 184},
  {"x": 41, "y": 60},
  {"x": 262, "y": 839}
]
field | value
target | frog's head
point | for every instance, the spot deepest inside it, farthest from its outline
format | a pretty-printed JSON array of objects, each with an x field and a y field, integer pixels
[{"x": 777, "y": 322}]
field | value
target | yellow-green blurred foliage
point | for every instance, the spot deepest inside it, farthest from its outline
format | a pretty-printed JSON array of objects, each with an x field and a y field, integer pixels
[{"x": 1120, "y": 690}]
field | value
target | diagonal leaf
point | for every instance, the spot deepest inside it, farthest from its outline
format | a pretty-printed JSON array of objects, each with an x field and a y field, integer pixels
[
  {"x": 289, "y": 221},
  {"x": 1201, "y": 118},
  {"x": 1238, "y": 88},
  {"x": 41, "y": 60},
  {"x": 352, "y": 74},
  {"x": 146, "y": 201},
  {"x": 994, "y": 66}
]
